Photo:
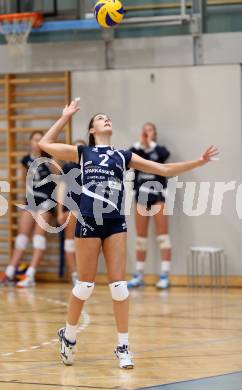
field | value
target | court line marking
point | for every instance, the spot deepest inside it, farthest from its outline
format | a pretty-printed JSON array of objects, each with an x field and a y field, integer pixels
[
  {"x": 184, "y": 346},
  {"x": 81, "y": 327},
  {"x": 110, "y": 388}
]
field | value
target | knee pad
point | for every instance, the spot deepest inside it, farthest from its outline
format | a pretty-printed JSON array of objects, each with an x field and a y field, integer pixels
[
  {"x": 141, "y": 244},
  {"x": 164, "y": 241},
  {"x": 21, "y": 241},
  {"x": 83, "y": 290},
  {"x": 39, "y": 242},
  {"x": 119, "y": 290},
  {"x": 69, "y": 245}
]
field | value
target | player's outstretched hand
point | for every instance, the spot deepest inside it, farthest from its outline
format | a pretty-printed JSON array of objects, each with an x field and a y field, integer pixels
[
  {"x": 71, "y": 109},
  {"x": 209, "y": 155}
]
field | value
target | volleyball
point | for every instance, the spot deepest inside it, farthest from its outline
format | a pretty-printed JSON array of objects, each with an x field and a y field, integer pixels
[
  {"x": 20, "y": 271},
  {"x": 109, "y": 12}
]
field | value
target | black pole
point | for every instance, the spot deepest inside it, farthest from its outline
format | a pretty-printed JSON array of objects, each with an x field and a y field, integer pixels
[
  {"x": 204, "y": 16},
  {"x": 18, "y": 6},
  {"x": 55, "y": 6}
]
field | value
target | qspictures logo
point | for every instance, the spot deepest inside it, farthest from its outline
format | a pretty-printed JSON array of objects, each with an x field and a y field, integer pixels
[{"x": 195, "y": 198}]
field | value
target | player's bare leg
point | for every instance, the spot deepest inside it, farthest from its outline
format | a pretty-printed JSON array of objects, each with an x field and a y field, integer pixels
[
  {"x": 39, "y": 248},
  {"x": 25, "y": 228},
  {"x": 142, "y": 223},
  {"x": 87, "y": 251},
  {"x": 114, "y": 250},
  {"x": 163, "y": 240}
]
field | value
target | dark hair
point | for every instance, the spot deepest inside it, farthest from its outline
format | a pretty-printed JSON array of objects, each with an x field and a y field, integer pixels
[
  {"x": 91, "y": 138},
  {"x": 154, "y": 129},
  {"x": 34, "y": 133}
]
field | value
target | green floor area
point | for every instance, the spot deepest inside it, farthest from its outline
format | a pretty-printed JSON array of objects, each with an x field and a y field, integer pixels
[{"x": 222, "y": 382}]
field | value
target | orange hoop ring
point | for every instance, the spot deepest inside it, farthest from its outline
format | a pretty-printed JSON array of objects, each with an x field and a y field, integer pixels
[{"x": 36, "y": 17}]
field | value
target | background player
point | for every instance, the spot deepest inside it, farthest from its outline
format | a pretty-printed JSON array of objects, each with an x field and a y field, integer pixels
[
  {"x": 103, "y": 169},
  {"x": 27, "y": 226},
  {"x": 62, "y": 215},
  {"x": 147, "y": 195}
]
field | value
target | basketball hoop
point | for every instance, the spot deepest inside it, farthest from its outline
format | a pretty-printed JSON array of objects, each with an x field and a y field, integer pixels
[{"x": 17, "y": 27}]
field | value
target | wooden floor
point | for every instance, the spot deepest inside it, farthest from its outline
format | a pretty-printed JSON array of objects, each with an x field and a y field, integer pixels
[{"x": 175, "y": 336}]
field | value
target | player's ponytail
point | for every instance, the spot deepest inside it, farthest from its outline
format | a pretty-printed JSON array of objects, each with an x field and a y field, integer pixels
[{"x": 91, "y": 138}]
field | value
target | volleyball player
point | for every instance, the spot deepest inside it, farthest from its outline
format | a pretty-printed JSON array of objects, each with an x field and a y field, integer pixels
[
  {"x": 27, "y": 226},
  {"x": 149, "y": 191},
  {"x": 102, "y": 221}
]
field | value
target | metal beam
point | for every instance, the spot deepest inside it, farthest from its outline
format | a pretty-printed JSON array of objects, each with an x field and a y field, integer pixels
[
  {"x": 197, "y": 29},
  {"x": 156, "y": 19},
  {"x": 108, "y": 37},
  {"x": 81, "y": 9}
]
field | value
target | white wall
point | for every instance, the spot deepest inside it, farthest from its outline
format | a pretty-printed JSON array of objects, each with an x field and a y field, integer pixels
[
  {"x": 223, "y": 48},
  {"x": 193, "y": 107},
  {"x": 54, "y": 57}
]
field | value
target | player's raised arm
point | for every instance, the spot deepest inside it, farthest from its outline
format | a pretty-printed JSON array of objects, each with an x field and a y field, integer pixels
[
  {"x": 48, "y": 141},
  {"x": 172, "y": 169}
]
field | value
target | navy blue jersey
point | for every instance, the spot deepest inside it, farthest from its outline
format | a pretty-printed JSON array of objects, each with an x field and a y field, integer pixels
[
  {"x": 66, "y": 169},
  {"x": 155, "y": 153},
  {"x": 41, "y": 173},
  {"x": 103, "y": 169}
]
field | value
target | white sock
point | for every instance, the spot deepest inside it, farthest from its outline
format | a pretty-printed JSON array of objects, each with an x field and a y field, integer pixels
[
  {"x": 140, "y": 265},
  {"x": 10, "y": 271},
  {"x": 123, "y": 339},
  {"x": 165, "y": 267},
  {"x": 30, "y": 272},
  {"x": 70, "y": 332}
]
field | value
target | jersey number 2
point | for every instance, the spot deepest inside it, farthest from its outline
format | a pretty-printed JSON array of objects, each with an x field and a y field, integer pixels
[{"x": 103, "y": 163}]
